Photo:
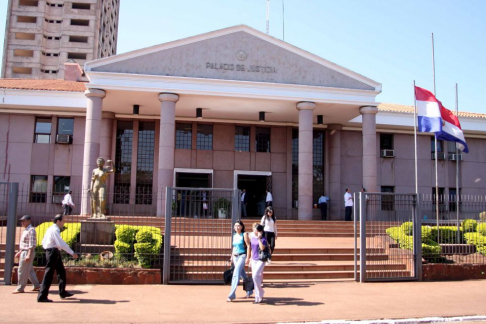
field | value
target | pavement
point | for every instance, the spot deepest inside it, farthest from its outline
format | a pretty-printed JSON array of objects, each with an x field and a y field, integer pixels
[{"x": 283, "y": 303}]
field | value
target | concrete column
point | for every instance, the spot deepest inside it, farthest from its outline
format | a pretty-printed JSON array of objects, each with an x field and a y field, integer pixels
[
  {"x": 370, "y": 154},
  {"x": 305, "y": 159},
  {"x": 92, "y": 139},
  {"x": 166, "y": 147},
  {"x": 336, "y": 192},
  {"x": 106, "y": 139}
]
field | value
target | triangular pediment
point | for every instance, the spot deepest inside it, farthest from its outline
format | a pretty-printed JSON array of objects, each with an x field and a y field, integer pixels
[{"x": 238, "y": 53}]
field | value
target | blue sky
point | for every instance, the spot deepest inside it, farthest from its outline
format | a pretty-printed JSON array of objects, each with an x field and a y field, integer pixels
[{"x": 388, "y": 41}]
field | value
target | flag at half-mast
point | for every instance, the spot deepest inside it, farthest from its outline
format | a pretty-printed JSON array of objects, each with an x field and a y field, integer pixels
[
  {"x": 428, "y": 111},
  {"x": 451, "y": 129}
]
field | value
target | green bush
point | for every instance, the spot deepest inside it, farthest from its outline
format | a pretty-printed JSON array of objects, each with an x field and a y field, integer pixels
[
  {"x": 125, "y": 233},
  {"x": 430, "y": 250},
  {"x": 481, "y": 229},
  {"x": 448, "y": 234},
  {"x": 70, "y": 235},
  {"x": 122, "y": 248},
  {"x": 426, "y": 233},
  {"x": 407, "y": 228},
  {"x": 144, "y": 241},
  {"x": 469, "y": 225}
]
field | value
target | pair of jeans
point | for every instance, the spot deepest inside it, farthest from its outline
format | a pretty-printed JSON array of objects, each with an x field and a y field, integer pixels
[
  {"x": 257, "y": 274},
  {"x": 26, "y": 271},
  {"x": 54, "y": 264},
  {"x": 239, "y": 271}
]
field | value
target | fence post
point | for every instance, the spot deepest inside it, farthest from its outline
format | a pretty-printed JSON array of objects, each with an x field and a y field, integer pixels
[
  {"x": 13, "y": 192},
  {"x": 167, "y": 229},
  {"x": 362, "y": 234},
  {"x": 355, "y": 217},
  {"x": 417, "y": 237},
  {"x": 235, "y": 210}
]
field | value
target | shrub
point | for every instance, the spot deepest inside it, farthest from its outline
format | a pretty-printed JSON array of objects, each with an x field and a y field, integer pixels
[
  {"x": 125, "y": 233},
  {"x": 122, "y": 248},
  {"x": 482, "y": 216},
  {"x": 426, "y": 233},
  {"x": 469, "y": 225},
  {"x": 70, "y": 235},
  {"x": 481, "y": 229},
  {"x": 407, "y": 228},
  {"x": 431, "y": 251},
  {"x": 147, "y": 248},
  {"x": 447, "y": 234}
]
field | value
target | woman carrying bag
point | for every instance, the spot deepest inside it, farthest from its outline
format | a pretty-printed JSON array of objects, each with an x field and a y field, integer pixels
[
  {"x": 269, "y": 223},
  {"x": 241, "y": 246},
  {"x": 258, "y": 253}
]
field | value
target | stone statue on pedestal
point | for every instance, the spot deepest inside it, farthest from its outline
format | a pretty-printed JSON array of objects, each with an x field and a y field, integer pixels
[{"x": 98, "y": 188}]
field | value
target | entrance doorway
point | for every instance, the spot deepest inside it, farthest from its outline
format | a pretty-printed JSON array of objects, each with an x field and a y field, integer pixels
[
  {"x": 193, "y": 180},
  {"x": 255, "y": 186}
]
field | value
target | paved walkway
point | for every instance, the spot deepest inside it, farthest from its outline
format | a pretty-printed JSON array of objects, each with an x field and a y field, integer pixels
[{"x": 312, "y": 302}]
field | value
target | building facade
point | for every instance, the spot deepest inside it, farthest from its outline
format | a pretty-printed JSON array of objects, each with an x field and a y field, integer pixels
[
  {"x": 40, "y": 35},
  {"x": 234, "y": 108}
]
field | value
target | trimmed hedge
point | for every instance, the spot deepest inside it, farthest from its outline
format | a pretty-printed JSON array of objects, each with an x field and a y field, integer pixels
[
  {"x": 69, "y": 234},
  {"x": 145, "y": 241},
  {"x": 481, "y": 229},
  {"x": 430, "y": 249},
  {"x": 469, "y": 225}
]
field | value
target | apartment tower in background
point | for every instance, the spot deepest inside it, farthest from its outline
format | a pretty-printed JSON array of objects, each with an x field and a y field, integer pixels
[{"x": 40, "y": 35}]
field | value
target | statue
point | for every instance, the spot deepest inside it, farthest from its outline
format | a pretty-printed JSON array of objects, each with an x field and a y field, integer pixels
[{"x": 98, "y": 188}]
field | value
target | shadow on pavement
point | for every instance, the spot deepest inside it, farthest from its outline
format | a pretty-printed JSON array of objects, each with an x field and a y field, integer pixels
[
  {"x": 287, "y": 285},
  {"x": 93, "y": 301},
  {"x": 288, "y": 301}
]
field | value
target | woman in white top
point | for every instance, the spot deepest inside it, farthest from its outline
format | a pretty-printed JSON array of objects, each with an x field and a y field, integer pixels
[{"x": 269, "y": 223}]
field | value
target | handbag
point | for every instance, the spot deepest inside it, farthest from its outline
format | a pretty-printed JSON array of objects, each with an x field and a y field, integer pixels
[
  {"x": 228, "y": 275},
  {"x": 264, "y": 255},
  {"x": 248, "y": 284}
]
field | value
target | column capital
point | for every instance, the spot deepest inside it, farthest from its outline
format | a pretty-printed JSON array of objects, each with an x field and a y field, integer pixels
[
  {"x": 335, "y": 127},
  {"x": 95, "y": 93},
  {"x": 168, "y": 97},
  {"x": 306, "y": 105},
  {"x": 368, "y": 110}
]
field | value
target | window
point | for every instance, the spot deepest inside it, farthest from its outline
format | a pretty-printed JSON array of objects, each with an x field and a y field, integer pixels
[
  {"x": 184, "y": 136},
  {"x": 60, "y": 188},
  {"x": 84, "y": 6},
  {"x": 453, "y": 199},
  {"x": 79, "y": 22},
  {"x": 77, "y": 56},
  {"x": 78, "y": 39},
  {"x": 25, "y": 36},
  {"x": 52, "y": 38},
  {"x": 441, "y": 199},
  {"x": 123, "y": 162},
  {"x": 26, "y": 19},
  {"x": 23, "y": 53},
  {"x": 262, "y": 139},
  {"x": 204, "y": 137},
  {"x": 29, "y": 3},
  {"x": 440, "y": 146},
  {"x": 50, "y": 54},
  {"x": 21, "y": 70},
  {"x": 387, "y": 201},
  {"x": 451, "y": 147},
  {"x": 295, "y": 166},
  {"x": 65, "y": 126},
  {"x": 38, "y": 189},
  {"x": 242, "y": 139},
  {"x": 318, "y": 164},
  {"x": 386, "y": 141},
  {"x": 145, "y": 163},
  {"x": 43, "y": 130}
]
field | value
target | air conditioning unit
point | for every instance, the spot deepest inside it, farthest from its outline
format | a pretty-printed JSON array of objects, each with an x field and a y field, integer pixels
[
  {"x": 455, "y": 157},
  {"x": 388, "y": 153},
  {"x": 64, "y": 139},
  {"x": 440, "y": 156}
]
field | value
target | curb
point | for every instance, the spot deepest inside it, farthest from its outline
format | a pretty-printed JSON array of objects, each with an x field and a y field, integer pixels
[{"x": 424, "y": 320}]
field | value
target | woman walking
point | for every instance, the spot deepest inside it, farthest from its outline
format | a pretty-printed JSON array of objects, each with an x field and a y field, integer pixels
[
  {"x": 269, "y": 223},
  {"x": 258, "y": 243},
  {"x": 241, "y": 246}
]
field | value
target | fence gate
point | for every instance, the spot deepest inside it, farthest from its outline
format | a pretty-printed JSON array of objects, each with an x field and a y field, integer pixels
[
  {"x": 380, "y": 257},
  {"x": 8, "y": 228},
  {"x": 198, "y": 233}
]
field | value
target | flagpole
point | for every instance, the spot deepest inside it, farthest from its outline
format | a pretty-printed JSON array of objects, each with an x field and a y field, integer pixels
[
  {"x": 415, "y": 135},
  {"x": 457, "y": 171},
  {"x": 436, "y": 159}
]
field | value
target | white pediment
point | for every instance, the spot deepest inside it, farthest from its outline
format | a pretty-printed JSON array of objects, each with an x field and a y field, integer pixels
[{"x": 238, "y": 53}]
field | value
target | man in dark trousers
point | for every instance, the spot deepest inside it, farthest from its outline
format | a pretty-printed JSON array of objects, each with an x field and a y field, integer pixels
[
  {"x": 244, "y": 202},
  {"x": 323, "y": 205},
  {"x": 53, "y": 244}
]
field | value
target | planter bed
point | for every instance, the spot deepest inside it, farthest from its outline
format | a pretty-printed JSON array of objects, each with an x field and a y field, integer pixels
[{"x": 445, "y": 272}]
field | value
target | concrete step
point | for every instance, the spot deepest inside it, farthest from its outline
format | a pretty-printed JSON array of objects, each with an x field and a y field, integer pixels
[
  {"x": 278, "y": 251},
  {"x": 285, "y": 257},
  {"x": 275, "y": 267}
]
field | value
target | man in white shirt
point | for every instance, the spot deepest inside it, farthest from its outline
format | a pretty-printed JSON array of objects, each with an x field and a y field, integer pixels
[
  {"x": 67, "y": 203},
  {"x": 348, "y": 205},
  {"x": 323, "y": 205},
  {"x": 269, "y": 199},
  {"x": 53, "y": 244}
]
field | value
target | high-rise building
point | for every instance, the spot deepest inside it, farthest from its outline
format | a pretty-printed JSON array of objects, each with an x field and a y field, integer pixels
[{"x": 40, "y": 35}]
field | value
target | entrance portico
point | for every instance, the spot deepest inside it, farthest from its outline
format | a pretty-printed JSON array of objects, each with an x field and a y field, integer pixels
[{"x": 222, "y": 73}]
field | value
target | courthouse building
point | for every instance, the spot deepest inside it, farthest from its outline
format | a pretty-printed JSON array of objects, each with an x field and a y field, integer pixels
[{"x": 233, "y": 108}]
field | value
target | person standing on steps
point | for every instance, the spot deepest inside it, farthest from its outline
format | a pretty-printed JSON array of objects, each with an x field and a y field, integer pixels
[
  {"x": 53, "y": 244},
  {"x": 26, "y": 255},
  {"x": 348, "y": 205},
  {"x": 67, "y": 203},
  {"x": 244, "y": 202},
  {"x": 269, "y": 199},
  {"x": 269, "y": 223},
  {"x": 323, "y": 205}
]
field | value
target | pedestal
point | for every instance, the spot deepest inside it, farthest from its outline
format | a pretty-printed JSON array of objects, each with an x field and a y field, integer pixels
[{"x": 97, "y": 231}]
